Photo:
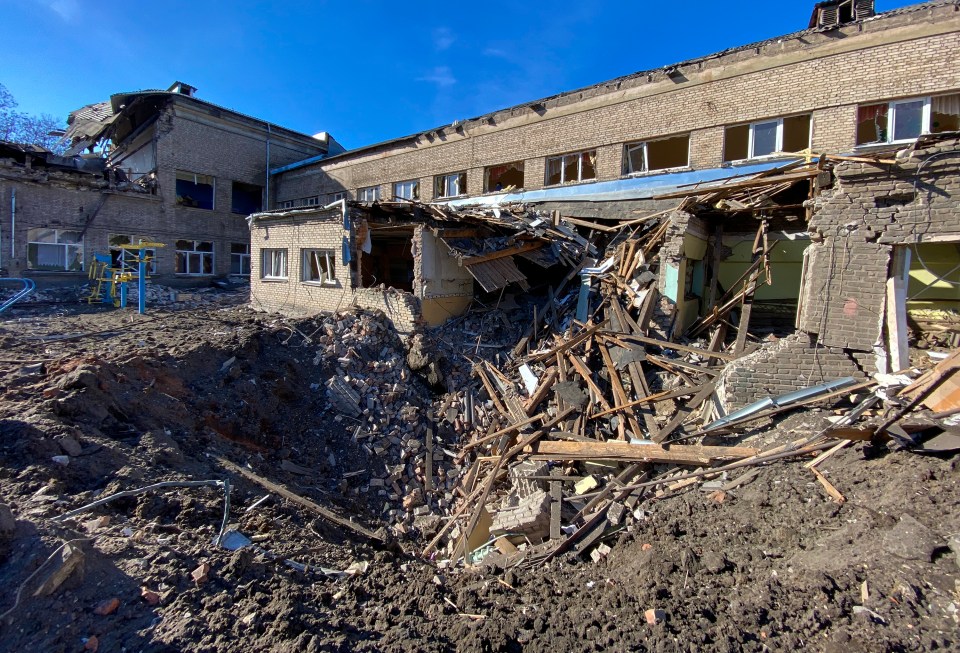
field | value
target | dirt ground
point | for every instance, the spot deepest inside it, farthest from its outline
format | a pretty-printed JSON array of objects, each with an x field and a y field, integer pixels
[{"x": 130, "y": 400}]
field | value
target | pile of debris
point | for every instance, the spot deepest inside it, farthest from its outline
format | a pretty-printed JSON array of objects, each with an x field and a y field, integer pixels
[{"x": 604, "y": 401}]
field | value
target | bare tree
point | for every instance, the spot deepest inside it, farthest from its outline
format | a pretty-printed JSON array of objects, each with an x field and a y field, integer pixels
[{"x": 25, "y": 129}]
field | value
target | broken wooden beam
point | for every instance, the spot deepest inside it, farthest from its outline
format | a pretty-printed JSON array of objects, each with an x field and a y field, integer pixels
[{"x": 614, "y": 450}]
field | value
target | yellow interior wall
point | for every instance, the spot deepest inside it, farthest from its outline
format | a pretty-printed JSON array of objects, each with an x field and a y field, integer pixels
[
  {"x": 437, "y": 310},
  {"x": 940, "y": 258},
  {"x": 694, "y": 247},
  {"x": 786, "y": 265}
]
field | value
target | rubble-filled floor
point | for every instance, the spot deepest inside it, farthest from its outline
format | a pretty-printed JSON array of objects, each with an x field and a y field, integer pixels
[{"x": 97, "y": 401}]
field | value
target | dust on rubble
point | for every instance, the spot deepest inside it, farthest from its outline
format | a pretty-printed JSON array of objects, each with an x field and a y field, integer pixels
[{"x": 340, "y": 411}]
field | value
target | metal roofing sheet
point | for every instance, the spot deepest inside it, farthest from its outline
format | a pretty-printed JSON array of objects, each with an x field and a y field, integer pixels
[{"x": 497, "y": 274}]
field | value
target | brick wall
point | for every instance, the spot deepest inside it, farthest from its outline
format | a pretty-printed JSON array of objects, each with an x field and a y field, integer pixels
[
  {"x": 871, "y": 209},
  {"x": 790, "y": 364},
  {"x": 900, "y": 55},
  {"x": 292, "y": 296}
]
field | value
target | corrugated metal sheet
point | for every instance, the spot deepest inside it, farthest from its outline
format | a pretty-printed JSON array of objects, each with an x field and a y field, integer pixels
[{"x": 497, "y": 274}]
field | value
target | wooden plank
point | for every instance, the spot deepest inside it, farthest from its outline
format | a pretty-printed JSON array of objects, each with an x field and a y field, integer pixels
[
  {"x": 660, "y": 396},
  {"x": 556, "y": 505},
  {"x": 896, "y": 318},
  {"x": 584, "y": 372},
  {"x": 503, "y": 253},
  {"x": 546, "y": 385},
  {"x": 666, "y": 344},
  {"x": 685, "y": 411},
  {"x": 620, "y": 395},
  {"x": 299, "y": 500},
  {"x": 568, "y": 344},
  {"x": 494, "y": 395},
  {"x": 652, "y": 453}
]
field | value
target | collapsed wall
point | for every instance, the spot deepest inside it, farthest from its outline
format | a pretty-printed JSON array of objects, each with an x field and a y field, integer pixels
[{"x": 850, "y": 302}]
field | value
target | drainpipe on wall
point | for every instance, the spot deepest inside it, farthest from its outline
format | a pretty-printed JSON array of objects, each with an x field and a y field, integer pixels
[
  {"x": 13, "y": 223},
  {"x": 267, "y": 207}
]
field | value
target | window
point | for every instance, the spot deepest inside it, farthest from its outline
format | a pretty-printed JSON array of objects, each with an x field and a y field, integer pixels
[
  {"x": 126, "y": 259},
  {"x": 766, "y": 138},
  {"x": 286, "y": 204},
  {"x": 503, "y": 177},
  {"x": 567, "y": 168},
  {"x": 336, "y": 197},
  {"x": 246, "y": 198},
  {"x": 194, "y": 257},
  {"x": 240, "y": 259},
  {"x": 54, "y": 250},
  {"x": 318, "y": 266},
  {"x": 408, "y": 190},
  {"x": 450, "y": 185},
  {"x": 368, "y": 194},
  {"x": 195, "y": 190},
  {"x": 663, "y": 154},
  {"x": 274, "y": 264},
  {"x": 311, "y": 201},
  {"x": 905, "y": 120}
]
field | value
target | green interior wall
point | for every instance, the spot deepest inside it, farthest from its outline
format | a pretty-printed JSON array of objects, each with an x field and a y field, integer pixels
[
  {"x": 786, "y": 265},
  {"x": 927, "y": 261}
]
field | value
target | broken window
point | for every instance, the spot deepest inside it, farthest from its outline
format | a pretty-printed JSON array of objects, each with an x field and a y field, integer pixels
[
  {"x": 54, "y": 250},
  {"x": 662, "y": 154},
  {"x": 568, "y": 168},
  {"x": 388, "y": 258},
  {"x": 240, "y": 259},
  {"x": 503, "y": 177},
  {"x": 451, "y": 185},
  {"x": 407, "y": 190},
  {"x": 195, "y": 191},
  {"x": 905, "y": 120},
  {"x": 368, "y": 194},
  {"x": 246, "y": 198},
  {"x": 766, "y": 138},
  {"x": 194, "y": 257},
  {"x": 273, "y": 264},
  {"x": 318, "y": 266},
  {"x": 126, "y": 259}
]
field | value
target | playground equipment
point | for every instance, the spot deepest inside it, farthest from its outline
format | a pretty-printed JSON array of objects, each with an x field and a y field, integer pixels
[
  {"x": 109, "y": 284},
  {"x": 28, "y": 287}
]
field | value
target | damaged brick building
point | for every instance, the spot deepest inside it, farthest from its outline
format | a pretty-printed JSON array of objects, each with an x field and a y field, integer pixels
[
  {"x": 856, "y": 243},
  {"x": 162, "y": 166}
]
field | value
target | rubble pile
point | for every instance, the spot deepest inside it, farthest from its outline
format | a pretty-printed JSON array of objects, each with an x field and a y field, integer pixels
[{"x": 604, "y": 403}]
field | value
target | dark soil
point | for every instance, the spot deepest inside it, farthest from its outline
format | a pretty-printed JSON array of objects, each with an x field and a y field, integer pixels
[{"x": 775, "y": 565}]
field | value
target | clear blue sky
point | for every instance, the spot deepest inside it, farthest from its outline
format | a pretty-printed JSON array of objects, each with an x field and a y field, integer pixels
[{"x": 365, "y": 71}]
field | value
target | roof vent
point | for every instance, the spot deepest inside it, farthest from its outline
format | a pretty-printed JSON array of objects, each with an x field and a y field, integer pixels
[
  {"x": 182, "y": 89},
  {"x": 837, "y": 12}
]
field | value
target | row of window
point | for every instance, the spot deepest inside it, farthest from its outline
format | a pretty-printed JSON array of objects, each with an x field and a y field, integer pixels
[
  {"x": 885, "y": 123},
  {"x": 200, "y": 192},
  {"x": 59, "y": 250},
  {"x": 316, "y": 265}
]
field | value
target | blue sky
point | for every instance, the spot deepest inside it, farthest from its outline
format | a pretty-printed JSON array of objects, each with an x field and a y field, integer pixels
[{"x": 365, "y": 71}]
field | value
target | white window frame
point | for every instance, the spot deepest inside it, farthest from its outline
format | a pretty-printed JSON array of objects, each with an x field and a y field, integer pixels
[
  {"x": 203, "y": 255},
  {"x": 405, "y": 189},
  {"x": 446, "y": 185},
  {"x": 336, "y": 197},
  {"x": 286, "y": 204},
  {"x": 311, "y": 201},
  {"x": 628, "y": 147},
  {"x": 368, "y": 194},
  {"x": 56, "y": 243},
  {"x": 892, "y": 118},
  {"x": 241, "y": 257},
  {"x": 751, "y": 141},
  {"x": 330, "y": 258},
  {"x": 563, "y": 168},
  {"x": 274, "y": 263}
]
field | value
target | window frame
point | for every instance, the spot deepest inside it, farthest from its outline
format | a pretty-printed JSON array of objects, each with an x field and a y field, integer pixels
[
  {"x": 778, "y": 147},
  {"x": 330, "y": 257},
  {"x": 362, "y": 192},
  {"x": 236, "y": 186},
  {"x": 563, "y": 168},
  {"x": 336, "y": 197},
  {"x": 241, "y": 257},
  {"x": 213, "y": 189},
  {"x": 185, "y": 254},
  {"x": 646, "y": 157},
  {"x": 440, "y": 185},
  {"x": 415, "y": 189},
  {"x": 284, "y": 256},
  {"x": 56, "y": 243}
]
